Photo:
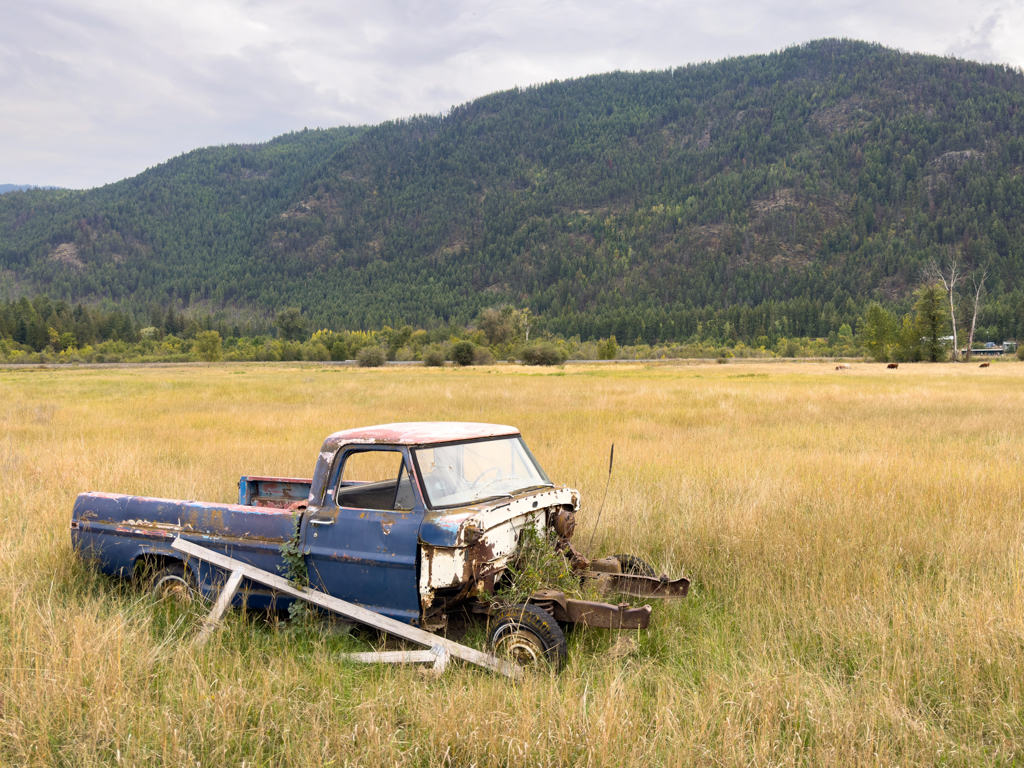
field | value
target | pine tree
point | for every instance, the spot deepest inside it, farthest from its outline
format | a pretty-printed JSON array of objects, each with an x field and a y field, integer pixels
[{"x": 932, "y": 321}]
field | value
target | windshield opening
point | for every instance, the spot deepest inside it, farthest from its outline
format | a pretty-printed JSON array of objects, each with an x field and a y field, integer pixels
[{"x": 461, "y": 473}]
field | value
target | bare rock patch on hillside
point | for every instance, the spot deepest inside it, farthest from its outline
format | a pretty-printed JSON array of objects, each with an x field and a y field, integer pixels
[{"x": 67, "y": 253}]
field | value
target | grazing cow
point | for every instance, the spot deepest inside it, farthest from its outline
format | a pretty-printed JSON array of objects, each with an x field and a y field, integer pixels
[
  {"x": 985, "y": 365},
  {"x": 843, "y": 367},
  {"x": 893, "y": 365}
]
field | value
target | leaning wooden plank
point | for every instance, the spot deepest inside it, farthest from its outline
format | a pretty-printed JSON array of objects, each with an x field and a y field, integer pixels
[
  {"x": 223, "y": 601},
  {"x": 392, "y": 657},
  {"x": 349, "y": 610}
]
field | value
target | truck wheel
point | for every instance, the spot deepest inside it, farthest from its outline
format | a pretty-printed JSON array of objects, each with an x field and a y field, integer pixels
[
  {"x": 173, "y": 582},
  {"x": 527, "y": 634},
  {"x": 634, "y": 566}
]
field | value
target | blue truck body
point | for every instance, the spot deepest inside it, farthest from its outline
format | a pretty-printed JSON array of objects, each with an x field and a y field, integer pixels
[{"x": 380, "y": 543}]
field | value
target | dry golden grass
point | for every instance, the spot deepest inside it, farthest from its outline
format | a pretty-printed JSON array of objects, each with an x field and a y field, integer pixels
[{"x": 854, "y": 540}]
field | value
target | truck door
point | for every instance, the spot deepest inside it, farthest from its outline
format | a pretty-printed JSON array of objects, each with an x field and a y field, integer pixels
[{"x": 362, "y": 544}]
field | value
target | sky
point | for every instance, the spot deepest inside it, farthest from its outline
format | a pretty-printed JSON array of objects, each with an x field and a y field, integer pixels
[{"x": 94, "y": 91}]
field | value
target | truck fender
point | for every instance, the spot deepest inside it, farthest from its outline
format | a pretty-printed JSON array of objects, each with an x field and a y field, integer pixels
[{"x": 152, "y": 559}]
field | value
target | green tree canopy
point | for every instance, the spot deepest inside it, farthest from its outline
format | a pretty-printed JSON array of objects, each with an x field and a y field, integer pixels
[
  {"x": 932, "y": 321},
  {"x": 291, "y": 324}
]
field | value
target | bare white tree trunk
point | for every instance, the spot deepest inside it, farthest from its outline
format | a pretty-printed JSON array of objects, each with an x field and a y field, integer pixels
[
  {"x": 978, "y": 286},
  {"x": 949, "y": 283}
]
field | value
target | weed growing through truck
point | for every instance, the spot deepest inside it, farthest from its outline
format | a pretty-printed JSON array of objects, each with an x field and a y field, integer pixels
[
  {"x": 536, "y": 565},
  {"x": 294, "y": 568}
]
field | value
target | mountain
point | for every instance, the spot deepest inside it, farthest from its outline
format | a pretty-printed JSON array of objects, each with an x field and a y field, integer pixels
[{"x": 792, "y": 187}]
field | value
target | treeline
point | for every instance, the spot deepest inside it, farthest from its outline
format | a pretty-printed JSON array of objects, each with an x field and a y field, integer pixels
[
  {"x": 778, "y": 194},
  {"x": 43, "y": 324},
  {"x": 43, "y": 330},
  {"x": 1000, "y": 317}
]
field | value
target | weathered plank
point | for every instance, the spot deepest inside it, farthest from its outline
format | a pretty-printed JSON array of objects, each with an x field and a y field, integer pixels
[
  {"x": 391, "y": 657},
  {"x": 350, "y": 610},
  {"x": 222, "y": 604},
  {"x": 438, "y": 655}
]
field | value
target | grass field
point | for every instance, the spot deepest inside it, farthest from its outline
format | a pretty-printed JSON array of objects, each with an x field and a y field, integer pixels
[{"x": 854, "y": 540}]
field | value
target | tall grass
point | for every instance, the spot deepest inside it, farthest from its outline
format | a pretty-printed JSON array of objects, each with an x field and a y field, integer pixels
[{"x": 854, "y": 541}]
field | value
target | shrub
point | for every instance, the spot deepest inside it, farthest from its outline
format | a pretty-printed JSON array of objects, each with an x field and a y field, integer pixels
[
  {"x": 537, "y": 564},
  {"x": 608, "y": 349},
  {"x": 289, "y": 350},
  {"x": 544, "y": 353},
  {"x": 434, "y": 356},
  {"x": 208, "y": 346},
  {"x": 372, "y": 357},
  {"x": 462, "y": 352},
  {"x": 339, "y": 351},
  {"x": 270, "y": 351},
  {"x": 483, "y": 356},
  {"x": 1020, "y": 352},
  {"x": 315, "y": 351}
]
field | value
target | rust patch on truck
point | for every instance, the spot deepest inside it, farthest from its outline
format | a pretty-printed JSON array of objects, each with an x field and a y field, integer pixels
[{"x": 592, "y": 614}]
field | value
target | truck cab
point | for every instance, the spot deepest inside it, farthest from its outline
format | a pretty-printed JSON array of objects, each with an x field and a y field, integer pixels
[{"x": 409, "y": 519}]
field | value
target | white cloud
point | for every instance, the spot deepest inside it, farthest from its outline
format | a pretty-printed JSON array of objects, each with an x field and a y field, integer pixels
[
  {"x": 998, "y": 36},
  {"x": 98, "y": 91}
]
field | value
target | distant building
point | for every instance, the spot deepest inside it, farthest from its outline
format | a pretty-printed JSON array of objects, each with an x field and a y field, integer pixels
[{"x": 991, "y": 349}]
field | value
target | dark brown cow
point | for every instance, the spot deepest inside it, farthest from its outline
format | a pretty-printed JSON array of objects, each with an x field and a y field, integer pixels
[
  {"x": 985, "y": 365},
  {"x": 893, "y": 365}
]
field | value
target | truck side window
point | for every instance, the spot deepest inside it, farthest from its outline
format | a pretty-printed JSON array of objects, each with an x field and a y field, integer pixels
[
  {"x": 404, "y": 498},
  {"x": 374, "y": 480}
]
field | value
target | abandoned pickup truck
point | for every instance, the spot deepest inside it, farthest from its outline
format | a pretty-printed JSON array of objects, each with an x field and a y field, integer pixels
[{"x": 414, "y": 521}]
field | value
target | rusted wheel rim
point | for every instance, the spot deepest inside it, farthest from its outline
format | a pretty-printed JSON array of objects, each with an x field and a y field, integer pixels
[{"x": 522, "y": 646}]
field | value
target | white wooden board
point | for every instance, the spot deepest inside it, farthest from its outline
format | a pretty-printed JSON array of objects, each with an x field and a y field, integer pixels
[{"x": 348, "y": 610}]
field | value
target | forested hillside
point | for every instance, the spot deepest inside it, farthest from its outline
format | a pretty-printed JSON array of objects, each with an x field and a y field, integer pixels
[{"x": 756, "y": 197}]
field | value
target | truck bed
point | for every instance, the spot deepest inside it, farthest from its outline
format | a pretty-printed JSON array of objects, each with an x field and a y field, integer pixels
[{"x": 117, "y": 530}]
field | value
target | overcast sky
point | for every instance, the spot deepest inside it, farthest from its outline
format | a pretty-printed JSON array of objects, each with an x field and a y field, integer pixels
[{"x": 93, "y": 91}]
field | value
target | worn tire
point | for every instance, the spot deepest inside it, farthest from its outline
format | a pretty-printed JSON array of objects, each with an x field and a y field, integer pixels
[
  {"x": 173, "y": 582},
  {"x": 635, "y": 566},
  {"x": 528, "y": 635}
]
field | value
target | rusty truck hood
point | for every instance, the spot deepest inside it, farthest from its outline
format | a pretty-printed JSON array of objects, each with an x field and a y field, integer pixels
[{"x": 459, "y": 527}]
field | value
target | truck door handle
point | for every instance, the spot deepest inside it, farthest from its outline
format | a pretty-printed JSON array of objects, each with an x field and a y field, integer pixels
[{"x": 321, "y": 521}]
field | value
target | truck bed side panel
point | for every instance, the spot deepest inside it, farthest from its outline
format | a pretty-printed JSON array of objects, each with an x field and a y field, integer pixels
[{"x": 117, "y": 530}]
